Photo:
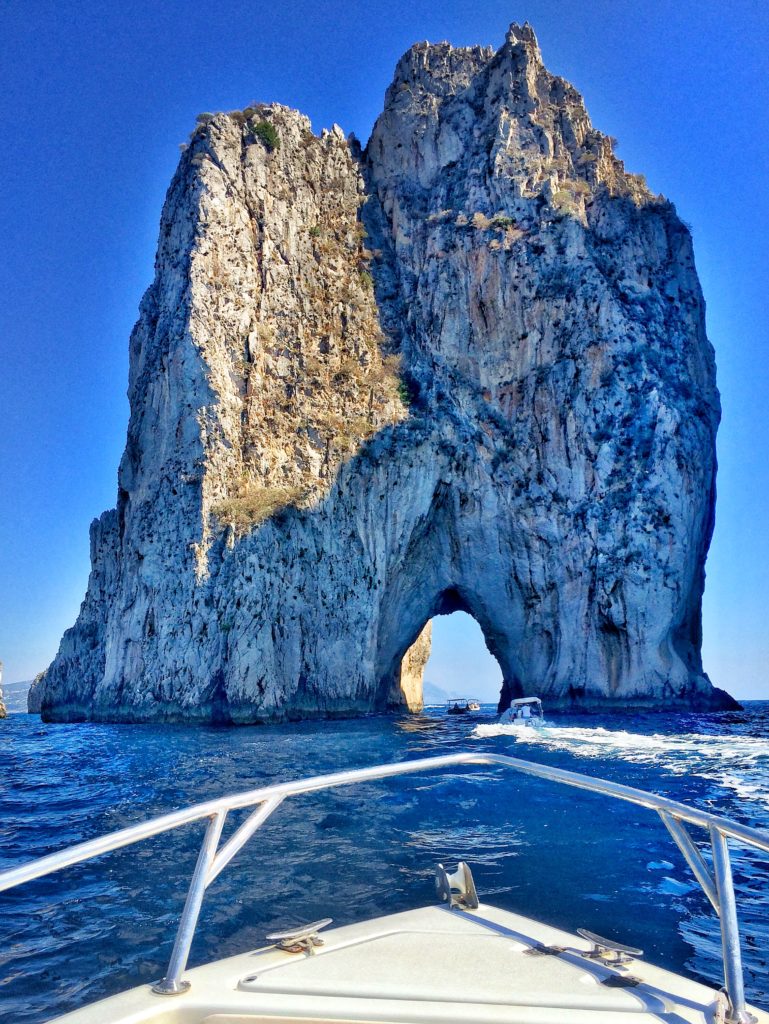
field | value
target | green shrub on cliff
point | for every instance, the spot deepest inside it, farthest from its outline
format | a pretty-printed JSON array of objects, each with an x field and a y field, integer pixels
[{"x": 268, "y": 134}]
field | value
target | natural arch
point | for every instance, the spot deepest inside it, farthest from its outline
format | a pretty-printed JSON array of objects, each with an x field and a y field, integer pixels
[
  {"x": 402, "y": 685},
  {"x": 415, "y": 669},
  {"x": 292, "y": 513}
]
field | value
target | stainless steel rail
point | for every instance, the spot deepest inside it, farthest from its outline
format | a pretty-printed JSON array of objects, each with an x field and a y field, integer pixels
[{"x": 212, "y": 859}]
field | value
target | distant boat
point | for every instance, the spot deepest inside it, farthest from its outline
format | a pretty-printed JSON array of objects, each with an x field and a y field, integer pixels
[
  {"x": 524, "y": 711},
  {"x": 461, "y": 705}
]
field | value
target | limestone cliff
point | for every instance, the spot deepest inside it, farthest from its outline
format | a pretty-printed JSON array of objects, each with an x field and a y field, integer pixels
[
  {"x": 35, "y": 694},
  {"x": 465, "y": 368}
]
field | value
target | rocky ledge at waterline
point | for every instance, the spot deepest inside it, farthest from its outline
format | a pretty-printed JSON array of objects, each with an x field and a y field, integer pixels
[{"x": 464, "y": 368}]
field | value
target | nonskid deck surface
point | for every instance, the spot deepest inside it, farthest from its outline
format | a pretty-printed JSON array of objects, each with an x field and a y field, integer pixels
[
  {"x": 428, "y": 966},
  {"x": 462, "y": 957}
]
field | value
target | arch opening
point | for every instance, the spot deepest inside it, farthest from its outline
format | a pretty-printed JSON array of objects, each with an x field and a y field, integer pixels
[
  {"x": 405, "y": 625},
  {"x": 460, "y": 662},
  {"x": 454, "y": 653}
]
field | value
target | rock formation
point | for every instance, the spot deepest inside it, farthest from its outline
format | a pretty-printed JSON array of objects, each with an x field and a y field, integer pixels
[
  {"x": 35, "y": 695},
  {"x": 464, "y": 368}
]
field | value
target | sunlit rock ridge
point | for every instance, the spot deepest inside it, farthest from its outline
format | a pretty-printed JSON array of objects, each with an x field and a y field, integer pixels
[{"x": 464, "y": 368}]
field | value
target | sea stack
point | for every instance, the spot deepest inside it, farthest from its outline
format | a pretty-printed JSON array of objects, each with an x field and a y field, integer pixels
[
  {"x": 463, "y": 368},
  {"x": 35, "y": 695}
]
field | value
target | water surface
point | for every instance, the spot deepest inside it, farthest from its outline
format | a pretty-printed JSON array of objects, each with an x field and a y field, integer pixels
[{"x": 570, "y": 858}]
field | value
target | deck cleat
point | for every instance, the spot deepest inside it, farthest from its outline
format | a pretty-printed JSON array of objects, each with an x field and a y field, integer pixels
[
  {"x": 303, "y": 939},
  {"x": 612, "y": 953}
]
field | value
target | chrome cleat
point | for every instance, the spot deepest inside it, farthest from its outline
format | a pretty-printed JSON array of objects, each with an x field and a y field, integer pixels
[
  {"x": 607, "y": 950},
  {"x": 303, "y": 939}
]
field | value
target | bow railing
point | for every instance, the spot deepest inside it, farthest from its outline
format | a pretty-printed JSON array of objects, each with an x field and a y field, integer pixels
[{"x": 214, "y": 856}]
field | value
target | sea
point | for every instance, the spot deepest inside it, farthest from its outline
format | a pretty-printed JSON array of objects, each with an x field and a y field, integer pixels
[{"x": 570, "y": 858}]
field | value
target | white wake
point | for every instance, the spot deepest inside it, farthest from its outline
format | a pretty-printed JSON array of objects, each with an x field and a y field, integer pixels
[{"x": 741, "y": 763}]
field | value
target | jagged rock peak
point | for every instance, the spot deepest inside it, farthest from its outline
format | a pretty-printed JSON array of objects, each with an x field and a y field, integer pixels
[
  {"x": 464, "y": 369},
  {"x": 522, "y": 34},
  {"x": 502, "y": 110}
]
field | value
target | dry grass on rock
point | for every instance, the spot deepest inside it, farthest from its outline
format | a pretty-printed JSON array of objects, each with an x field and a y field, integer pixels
[{"x": 253, "y": 504}]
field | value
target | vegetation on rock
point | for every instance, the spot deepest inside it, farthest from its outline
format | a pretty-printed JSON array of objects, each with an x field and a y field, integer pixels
[
  {"x": 267, "y": 133},
  {"x": 253, "y": 504}
]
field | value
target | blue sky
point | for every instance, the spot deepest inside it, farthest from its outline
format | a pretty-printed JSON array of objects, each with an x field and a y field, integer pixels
[{"x": 96, "y": 98}]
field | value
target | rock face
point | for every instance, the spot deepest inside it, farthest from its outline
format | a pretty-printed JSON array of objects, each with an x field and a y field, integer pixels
[
  {"x": 35, "y": 695},
  {"x": 465, "y": 368},
  {"x": 408, "y": 682}
]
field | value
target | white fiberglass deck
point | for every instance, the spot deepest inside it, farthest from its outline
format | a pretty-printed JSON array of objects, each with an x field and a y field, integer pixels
[{"x": 431, "y": 965}]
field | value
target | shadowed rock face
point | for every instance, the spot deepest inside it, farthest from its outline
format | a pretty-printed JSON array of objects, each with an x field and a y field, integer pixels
[
  {"x": 35, "y": 694},
  {"x": 464, "y": 369}
]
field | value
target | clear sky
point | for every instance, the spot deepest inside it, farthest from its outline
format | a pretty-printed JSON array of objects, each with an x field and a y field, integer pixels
[{"x": 96, "y": 97}]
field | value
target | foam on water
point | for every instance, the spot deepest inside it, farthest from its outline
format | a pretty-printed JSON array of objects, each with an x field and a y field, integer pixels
[{"x": 740, "y": 763}]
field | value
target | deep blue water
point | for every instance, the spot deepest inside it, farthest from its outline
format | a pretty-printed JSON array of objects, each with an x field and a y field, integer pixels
[{"x": 570, "y": 858}]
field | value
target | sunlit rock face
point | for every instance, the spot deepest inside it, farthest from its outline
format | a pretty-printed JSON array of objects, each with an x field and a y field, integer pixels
[{"x": 464, "y": 369}]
